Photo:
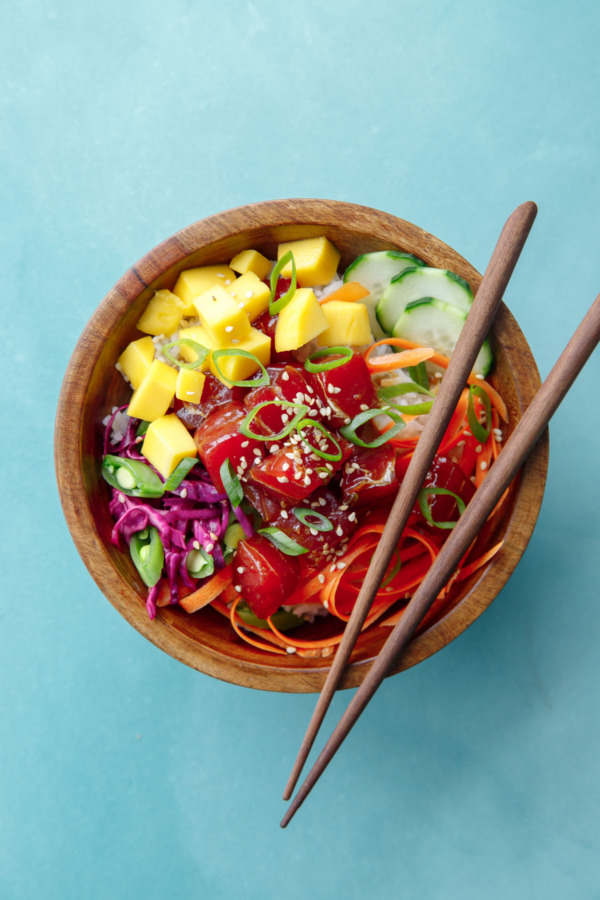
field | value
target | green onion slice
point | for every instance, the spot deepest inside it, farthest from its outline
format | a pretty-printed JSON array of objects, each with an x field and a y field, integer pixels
[
  {"x": 419, "y": 374},
  {"x": 426, "y": 492},
  {"x": 131, "y": 477},
  {"x": 142, "y": 428},
  {"x": 349, "y": 431},
  {"x": 245, "y": 425},
  {"x": 148, "y": 555},
  {"x": 199, "y": 563},
  {"x": 193, "y": 345},
  {"x": 282, "y": 541},
  {"x": 395, "y": 570},
  {"x": 345, "y": 353},
  {"x": 409, "y": 409},
  {"x": 249, "y": 382},
  {"x": 283, "y": 620},
  {"x": 479, "y": 431},
  {"x": 231, "y": 483},
  {"x": 275, "y": 306},
  {"x": 306, "y": 423},
  {"x": 303, "y": 514},
  {"x": 403, "y": 387},
  {"x": 179, "y": 473}
]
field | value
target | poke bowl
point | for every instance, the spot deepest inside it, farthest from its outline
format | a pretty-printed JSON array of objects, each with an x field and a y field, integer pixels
[{"x": 94, "y": 389}]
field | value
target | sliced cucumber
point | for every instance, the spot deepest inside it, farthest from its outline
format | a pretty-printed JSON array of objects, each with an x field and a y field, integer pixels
[
  {"x": 414, "y": 284},
  {"x": 375, "y": 271},
  {"x": 436, "y": 324}
]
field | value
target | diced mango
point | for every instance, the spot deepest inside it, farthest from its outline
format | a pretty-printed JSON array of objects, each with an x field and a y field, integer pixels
[
  {"x": 198, "y": 334},
  {"x": 348, "y": 324},
  {"x": 193, "y": 282},
  {"x": 221, "y": 317},
  {"x": 316, "y": 260},
  {"x": 189, "y": 385},
  {"x": 238, "y": 368},
  {"x": 136, "y": 359},
  {"x": 251, "y": 261},
  {"x": 251, "y": 295},
  {"x": 299, "y": 322},
  {"x": 166, "y": 443},
  {"x": 162, "y": 315},
  {"x": 151, "y": 399}
]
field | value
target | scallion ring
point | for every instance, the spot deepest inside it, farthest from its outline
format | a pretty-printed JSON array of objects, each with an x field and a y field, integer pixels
[
  {"x": 179, "y": 473},
  {"x": 396, "y": 568},
  {"x": 245, "y": 425},
  {"x": 231, "y": 483},
  {"x": 349, "y": 431},
  {"x": 200, "y": 349},
  {"x": 403, "y": 387},
  {"x": 307, "y": 423},
  {"x": 275, "y": 306},
  {"x": 479, "y": 431},
  {"x": 282, "y": 541},
  {"x": 249, "y": 382},
  {"x": 345, "y": 354},
  {"x": 303, "y": 514},
  {"x": 426, "y": 492}
]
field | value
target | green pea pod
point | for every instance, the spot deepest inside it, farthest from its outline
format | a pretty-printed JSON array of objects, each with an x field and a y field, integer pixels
[
  {"x": 131, "y": 476},
  {"x": 148, "y": 555}
]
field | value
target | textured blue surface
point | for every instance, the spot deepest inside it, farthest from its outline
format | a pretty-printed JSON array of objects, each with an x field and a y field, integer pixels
[{"x": 123, "y": 773}]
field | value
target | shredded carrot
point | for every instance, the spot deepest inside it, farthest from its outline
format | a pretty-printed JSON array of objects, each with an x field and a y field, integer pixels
[
  {"x": 349, "y": 292},
  {"x": 391, "y": 361},
  {"x": 208, "y": 592},
  {"x": 245, "y": 637}
]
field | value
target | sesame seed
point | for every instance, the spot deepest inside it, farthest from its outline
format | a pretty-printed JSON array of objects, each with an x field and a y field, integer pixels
[
  {"x": 321, "y": 578},
  {"x": 483, "y": 464},
  {"x": 363, "y": 407},
  {"x": 326, "y": 602},
  {"x": 282, "y": 479},
  {"x": 122, "y": 498},
  {"x": 352, "y": 517},
  {"x": 307, "y": 479},
  {"x": 478, "y": 448},
  {"x": 347, "y": 421},
  {"x": 228, "y": 281},
  {"x": 285, "y": 467},
  {"x": 183, "y": 493},
  {"x": 228, "y": 328},
  {"x": 284, "y": 514},
  {"x": 196, "y": 545},
  {"x": 274, "y": 448},
  {"x": 220, "y": 275},
  {"x": 240, "y": 306},
  {"x": 290, "y": 649},
  {"x": 238, "y": 589},
  {"x": 438, "y": 375},
  {"x": 213, "y": 536},
  {"x": 209, "y": 548},
  {"x": 313, "y": 412},
  {"x": 322, "y": 501},
  {"x": 257, "y": 451},
  {"x": 323, "y": 474},
  {"x": 245, "y": 443},
  {"x": 249, "y": 294},
  {"x": 234, "y": 341},
  {"x": 332, "y": 568},
  {"x": 330, "y": 389},
  {"x": 313, "y": 531},
  {"x": 298, "y": 476},
  {"x": 341, "y": 565},
  {"x": 480, "y": 376},
  {"x": 285, "y": 376},
  {"x": 339, "y": 531}
]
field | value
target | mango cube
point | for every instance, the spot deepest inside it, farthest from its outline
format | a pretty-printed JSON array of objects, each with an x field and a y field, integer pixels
[
  {"x": 316, "y": 260},
  {"x": 299, "y": 322},
  {"x": 162, "y": 315},
  {"x": 193, "y": 282},
  {"x": 166, "y": 443},
  {"x": 136, "y": 359},
  {"x": 151, "y": 399},
  {"x": 221, "y": 317},
  {"x": 198, "y": 334},
  {"x": 251, "y": 294},
  {"x": 238, "y": 368},
  {"x": 189, "y": 385},
  {"x": 251, "y": 261},
  {"x": 348, "y": 324}
]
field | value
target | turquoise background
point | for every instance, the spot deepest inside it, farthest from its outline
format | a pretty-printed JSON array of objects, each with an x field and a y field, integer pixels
[{"x": 123, "y": 773}]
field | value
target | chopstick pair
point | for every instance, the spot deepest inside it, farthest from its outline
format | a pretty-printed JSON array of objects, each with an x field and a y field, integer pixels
[{"x": 510, "y": 460}]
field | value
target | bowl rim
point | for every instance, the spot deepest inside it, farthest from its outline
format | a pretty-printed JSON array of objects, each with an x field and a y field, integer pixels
[{"x": 203, "y": 238}]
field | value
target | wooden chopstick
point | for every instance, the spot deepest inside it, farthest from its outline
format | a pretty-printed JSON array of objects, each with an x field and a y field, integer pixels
[
  {"x": 484, "y": 307},
  {"x": 510, "y": 460}
]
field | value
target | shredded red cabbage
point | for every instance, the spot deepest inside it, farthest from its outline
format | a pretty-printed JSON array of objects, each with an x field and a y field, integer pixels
[{"x": 194, "y": 515}]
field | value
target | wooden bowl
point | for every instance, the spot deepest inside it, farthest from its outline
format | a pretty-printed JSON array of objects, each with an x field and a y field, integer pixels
[{"x": 92, "y": 387}]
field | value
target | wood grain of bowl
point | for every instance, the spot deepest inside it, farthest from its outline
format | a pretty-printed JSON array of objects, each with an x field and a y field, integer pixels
[{"x": 92, "y": 386}]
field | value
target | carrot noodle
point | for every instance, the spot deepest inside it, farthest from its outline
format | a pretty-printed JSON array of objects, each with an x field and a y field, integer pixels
[
  {"x": 349, "y": 292},
  {"x": 208, "y": 592},
  {"x": 411, "y": 357},
  {"x": 245, "y": 637}
]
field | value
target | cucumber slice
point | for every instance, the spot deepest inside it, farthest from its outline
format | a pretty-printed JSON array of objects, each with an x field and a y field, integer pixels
[
  {"x": 436, "y": 324},
  {"x": 375, "y": 271},
  {"x": 414, "y": 284}
]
